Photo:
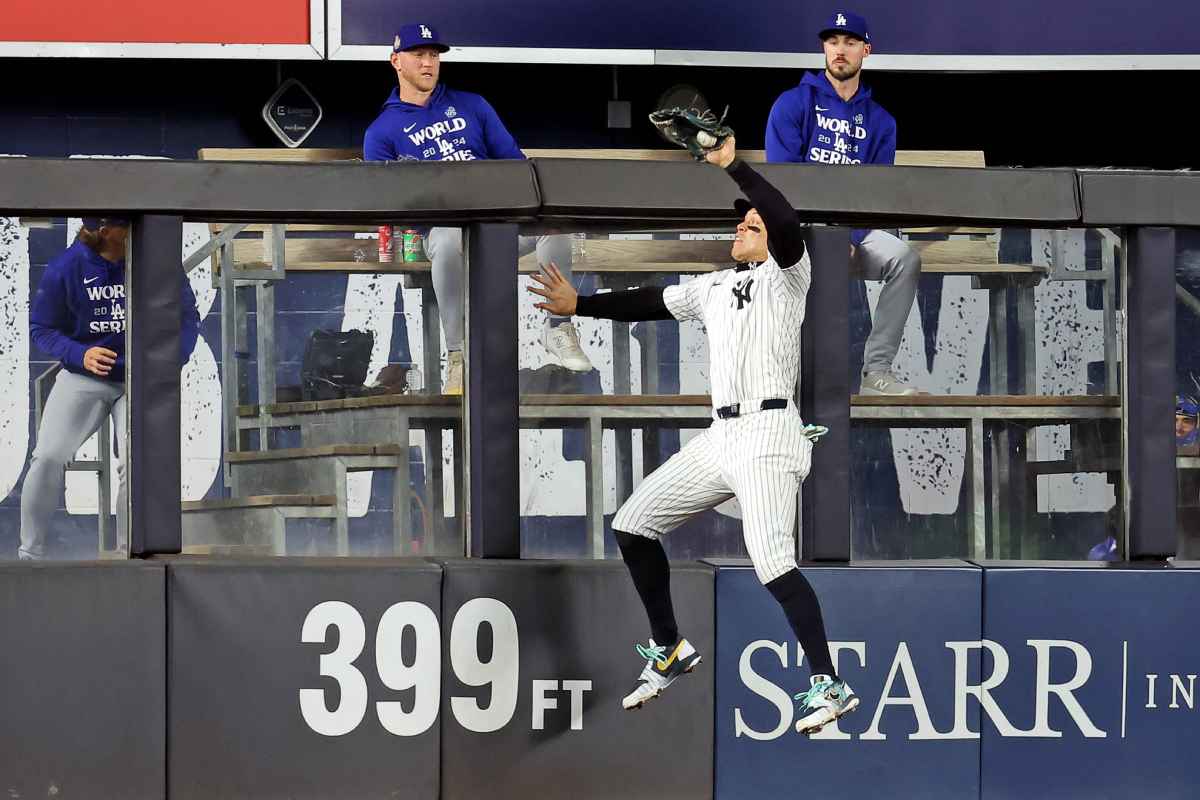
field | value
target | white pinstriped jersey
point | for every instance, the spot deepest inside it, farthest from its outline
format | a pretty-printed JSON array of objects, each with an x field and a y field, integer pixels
[{"x": 752, "y": 318}]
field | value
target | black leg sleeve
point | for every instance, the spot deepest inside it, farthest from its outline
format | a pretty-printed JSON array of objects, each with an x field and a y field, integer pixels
[
  {"x": 647, "y": 563},
  {"x": 799, "y": 601}
]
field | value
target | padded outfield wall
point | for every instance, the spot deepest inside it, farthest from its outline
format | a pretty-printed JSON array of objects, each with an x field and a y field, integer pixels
[{"x": 311, "y": 678}]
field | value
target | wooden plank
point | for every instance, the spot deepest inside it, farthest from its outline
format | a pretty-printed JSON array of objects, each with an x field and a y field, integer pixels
[
  {"x": 308, "y": 228},
  {"x": 298, "y": 154},
  {"x": 957, "y": 251},
  {"x": 260, "y": 501},
  {"x": 290, "y": 453},
  {"x": 991, "y": 401},
  {"x": 397, "y": 267},
  {"x": 322, "y": 451},
  {"x": 940, "y": 158},
  {"x": 983, "y": 269},
  {"x": 376, "y": 401},
  {"x": 395, "y": 400},
  {"x": 950, "y": 230},
  {"x": 615, "y": 400},
  {"x": 230, "y": 550},
  {"x": 905, "y": 158}
]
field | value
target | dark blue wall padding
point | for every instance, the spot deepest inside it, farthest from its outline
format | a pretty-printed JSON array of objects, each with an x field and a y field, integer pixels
[{"x": 900, "y": 617}]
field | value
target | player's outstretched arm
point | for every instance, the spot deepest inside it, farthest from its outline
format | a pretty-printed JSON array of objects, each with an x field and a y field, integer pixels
[
  {"x": 561, "y": 299},
  {"x": 785, "y": 234}
]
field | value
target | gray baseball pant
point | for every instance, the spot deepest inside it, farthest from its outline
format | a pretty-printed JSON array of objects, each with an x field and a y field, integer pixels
[
  {"x": 444, "y": 249},
  {"x": 77, "y": 406},
  {"x": 884, "y": 257}
]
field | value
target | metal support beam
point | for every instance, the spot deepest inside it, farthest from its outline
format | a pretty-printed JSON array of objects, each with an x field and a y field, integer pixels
[
  {"x": 1148, "y": 430},
  {"x": 825, "y": 398},
  {"x": 491, "y": 392},
  {"x": 154, "y": 292}
]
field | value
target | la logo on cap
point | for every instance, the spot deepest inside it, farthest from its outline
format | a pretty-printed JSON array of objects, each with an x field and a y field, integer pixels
[
  {"x": 427, "y": 34},
  {"x": 841, "y": 19}
]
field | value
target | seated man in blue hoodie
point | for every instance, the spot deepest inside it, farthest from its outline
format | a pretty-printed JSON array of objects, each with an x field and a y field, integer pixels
[
  {"x": 423, "y": 120},
  {"x": 78, "y": 317},
  {"x": 830, "y": 118}
]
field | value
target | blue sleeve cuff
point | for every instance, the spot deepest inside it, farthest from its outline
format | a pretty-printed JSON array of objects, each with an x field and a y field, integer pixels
[{"x": 857, "y": 235}]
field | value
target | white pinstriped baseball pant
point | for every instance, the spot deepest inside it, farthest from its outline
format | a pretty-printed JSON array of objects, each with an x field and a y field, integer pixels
[{"x": 760, "y": 458}]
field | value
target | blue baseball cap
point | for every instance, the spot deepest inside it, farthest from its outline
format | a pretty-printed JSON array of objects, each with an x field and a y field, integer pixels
[
  {"x": 96, "y": 223},
  {"x": 418, "y": 35},
  {"x": 846, "y": 22}
]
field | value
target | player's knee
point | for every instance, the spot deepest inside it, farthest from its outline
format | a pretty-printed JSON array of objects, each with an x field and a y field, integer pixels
[
  {"x": 910, "y": 261},
  {"x": 445, "y": 243},
  {"x": 789, "y": 585},
  {"x": 630, "y": 542},
  {"x": 49, "y": 458}
]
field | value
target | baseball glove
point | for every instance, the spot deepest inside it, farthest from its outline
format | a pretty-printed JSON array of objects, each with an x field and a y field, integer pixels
[{"x": 696, "y": 129}]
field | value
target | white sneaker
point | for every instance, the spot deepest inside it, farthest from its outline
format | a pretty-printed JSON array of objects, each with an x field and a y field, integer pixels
[
  {"x": 661, "y": 670},
  {"x": 825, "y": 701},
  {"x": 454, "y": 373},
  {"x": 562, "y": 343},
  {"x": 884, "y": 383}
]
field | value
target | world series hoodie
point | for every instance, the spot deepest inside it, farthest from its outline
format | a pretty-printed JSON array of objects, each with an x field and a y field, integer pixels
[
  {"x": 80, "y": 304},
  {"x": 813, "y": 124},
  {"x": 452, "y": 126}
]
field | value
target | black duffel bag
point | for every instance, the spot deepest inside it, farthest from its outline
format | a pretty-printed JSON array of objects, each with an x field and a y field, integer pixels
[{"x": 335, "y": 364}]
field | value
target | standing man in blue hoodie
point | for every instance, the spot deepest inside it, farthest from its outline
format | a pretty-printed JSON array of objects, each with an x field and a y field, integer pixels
[
  {"x": 423, "y": 120},
  {"x": 78, "y": 317},
  {"x": 830, "y": 118}
]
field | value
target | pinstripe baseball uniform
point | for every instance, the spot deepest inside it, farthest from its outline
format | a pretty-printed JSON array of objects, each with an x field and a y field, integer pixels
[{"x": 752, "y": 316}]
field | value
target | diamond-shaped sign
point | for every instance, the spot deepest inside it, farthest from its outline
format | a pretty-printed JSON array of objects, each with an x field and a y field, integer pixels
[{"x": 292, "y": 112}]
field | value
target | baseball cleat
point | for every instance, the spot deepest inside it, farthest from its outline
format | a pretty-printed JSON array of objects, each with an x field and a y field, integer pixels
[
  {"x": 454, "y": 373},
  {"x": 562, "y": 343},
  {"x": 884, "y": 383},
  {"x": 825, "y": 701},
  {"x": 663, "y": 666}
]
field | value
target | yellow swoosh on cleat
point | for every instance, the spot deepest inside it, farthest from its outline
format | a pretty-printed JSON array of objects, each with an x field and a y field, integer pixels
[{"x": 662, "y": 665}]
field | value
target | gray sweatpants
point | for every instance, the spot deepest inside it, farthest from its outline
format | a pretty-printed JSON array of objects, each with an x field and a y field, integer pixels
[
  {"x": 77, "y": 406},
  {"x": 444, "y": 249},
  {"x": 884, "y": 257}
]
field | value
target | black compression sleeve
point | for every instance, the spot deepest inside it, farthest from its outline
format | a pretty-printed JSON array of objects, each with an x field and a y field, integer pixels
[
  {"x": 632, "y": 305},
  {"x": 785, "y": 234}
]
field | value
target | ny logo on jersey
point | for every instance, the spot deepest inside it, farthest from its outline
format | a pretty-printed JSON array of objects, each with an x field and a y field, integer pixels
[
  {"x": 742, "y": 293},
  {"x": 841, "y": 20},
  {"x": 428, "y": 34}
]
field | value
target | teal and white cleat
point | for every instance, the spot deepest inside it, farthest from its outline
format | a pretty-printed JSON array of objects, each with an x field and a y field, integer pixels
[{"x": 824, "y": 702}]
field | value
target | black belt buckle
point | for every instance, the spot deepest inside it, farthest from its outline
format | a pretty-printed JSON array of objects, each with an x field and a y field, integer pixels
[{"x": 728, "y": 412}]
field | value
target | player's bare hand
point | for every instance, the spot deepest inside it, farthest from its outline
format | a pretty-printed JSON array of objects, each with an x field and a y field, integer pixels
[
  {"x": 724, "y": 155},
  {"x": 99, "y": 361},
  {"x": 853, "y": 251},
  {"x": 559, "y": 293}
]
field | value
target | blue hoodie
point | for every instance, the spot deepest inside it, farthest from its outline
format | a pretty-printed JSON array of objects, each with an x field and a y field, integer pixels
[
  {"x": 812, "y": 124},
  {"x": 80, "y": 304},
  {"x": 452, "y": 126}
]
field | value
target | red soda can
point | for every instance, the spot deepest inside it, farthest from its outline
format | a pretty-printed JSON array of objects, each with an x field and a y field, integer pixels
[{"x": 386, "y": 250}]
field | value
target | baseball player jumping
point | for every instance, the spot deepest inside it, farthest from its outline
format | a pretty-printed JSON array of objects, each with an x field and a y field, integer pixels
[
  {"x": 830, "y": 118},
  {"x": 756, "y": 448}
]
